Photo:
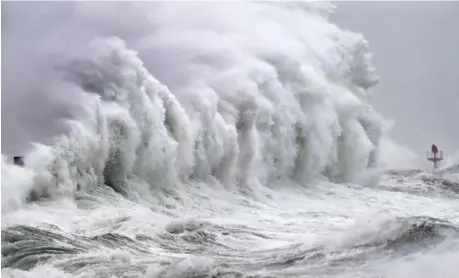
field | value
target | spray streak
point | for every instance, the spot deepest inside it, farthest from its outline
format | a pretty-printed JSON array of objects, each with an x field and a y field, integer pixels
[{"x": 283, "y": 99}]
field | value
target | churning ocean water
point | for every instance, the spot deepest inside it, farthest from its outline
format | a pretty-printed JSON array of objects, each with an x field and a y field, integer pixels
[{"x": 220, "y": 140}]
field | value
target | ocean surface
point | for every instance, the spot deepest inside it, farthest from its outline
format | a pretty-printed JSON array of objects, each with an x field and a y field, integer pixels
[{"x": 220, "y": 140}]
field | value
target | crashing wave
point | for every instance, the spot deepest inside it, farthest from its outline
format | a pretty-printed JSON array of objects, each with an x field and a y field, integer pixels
[{"x": 294, "y": 108}]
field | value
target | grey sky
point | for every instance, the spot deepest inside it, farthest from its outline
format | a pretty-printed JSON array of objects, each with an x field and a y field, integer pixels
[
  {"x": 30, "y": 107},
  {"x": 416, "y": 54},
  {"x": 415, "y": 46}
]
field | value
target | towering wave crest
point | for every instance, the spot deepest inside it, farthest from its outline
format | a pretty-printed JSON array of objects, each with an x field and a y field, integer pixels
[{"x": 240, "y": 107}]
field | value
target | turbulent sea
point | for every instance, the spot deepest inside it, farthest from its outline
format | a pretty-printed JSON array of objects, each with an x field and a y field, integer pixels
[{"x": 220, "y": 140}]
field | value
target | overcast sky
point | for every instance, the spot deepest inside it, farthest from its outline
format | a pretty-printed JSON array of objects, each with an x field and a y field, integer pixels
[
  {"x": 416, "y": 53},
  {"x": 415, "y": 46}
]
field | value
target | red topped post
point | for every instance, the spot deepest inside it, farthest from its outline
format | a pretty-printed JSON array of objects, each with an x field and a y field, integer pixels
[{"x": 435, "y": 156}]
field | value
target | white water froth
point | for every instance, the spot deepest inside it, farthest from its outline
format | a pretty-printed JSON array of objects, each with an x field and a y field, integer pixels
[{"x": 284, "y": 99}]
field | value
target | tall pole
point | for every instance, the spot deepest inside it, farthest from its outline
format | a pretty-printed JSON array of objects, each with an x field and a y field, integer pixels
[{"x": 437, "y": 156}]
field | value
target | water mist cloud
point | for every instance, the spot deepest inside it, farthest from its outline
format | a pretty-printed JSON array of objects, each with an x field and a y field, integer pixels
[{"x": 274, "y": 88}]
